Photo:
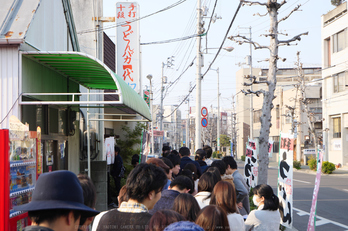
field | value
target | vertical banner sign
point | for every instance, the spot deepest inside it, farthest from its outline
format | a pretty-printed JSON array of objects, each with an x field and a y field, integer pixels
[
  {"x": 147, "y": 97},
  {"x": 251, "y": 164},
  {"x": 128, "y": 44},
  {"x": 109, "y": 145},
  {"x": 270, "y": 148},
  {"x": 285, "y": 178},
  {"x": 311, "y": 221}
]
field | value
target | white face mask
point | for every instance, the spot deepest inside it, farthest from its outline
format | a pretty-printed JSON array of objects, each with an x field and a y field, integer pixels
[{"x": 254, "y": 200}]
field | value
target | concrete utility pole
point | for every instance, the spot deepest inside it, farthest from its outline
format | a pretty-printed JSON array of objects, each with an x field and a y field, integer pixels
[
  {"x": 188, "y": 124},
  {"x": 169, "y": 63},
  {"x": 149, "y": 77},
  {"x": 198, "y": 128},
  {"x": 218, "y": 120},
  {"x": 251, "y": 89}
]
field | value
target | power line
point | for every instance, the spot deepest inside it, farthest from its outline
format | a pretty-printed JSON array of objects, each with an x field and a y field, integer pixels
[
  {"x": 170, "y": 40},
  {"x": 133, "y": 20},
  {"x": 234, "y": 17}
]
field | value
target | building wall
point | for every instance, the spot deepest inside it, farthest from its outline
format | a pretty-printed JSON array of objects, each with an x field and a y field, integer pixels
[
  {"x": 333, "y": 102},
  {"x": 285, "y": 94},
  {"x": 49, "y": 31},
  {"x": 10, "y": 87}
]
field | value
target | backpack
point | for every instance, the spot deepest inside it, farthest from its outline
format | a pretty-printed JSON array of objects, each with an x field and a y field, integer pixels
[{"x": 123, "y": 169}]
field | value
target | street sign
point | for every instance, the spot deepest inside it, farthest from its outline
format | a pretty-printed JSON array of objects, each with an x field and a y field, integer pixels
[
  {"x": 204, "y": 122},
  {"x": 204, "y": 112}
]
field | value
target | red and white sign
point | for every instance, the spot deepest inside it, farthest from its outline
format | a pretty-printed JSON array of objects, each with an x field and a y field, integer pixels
[
  {"x": 158, "y": 133},
  {"x": 204, "y": 111},
  {"x": 128, "y": 43}
]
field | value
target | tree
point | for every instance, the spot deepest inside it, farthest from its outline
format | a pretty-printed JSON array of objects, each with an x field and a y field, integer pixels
[
  {"x": 224, "y": 140},
  {"x": 268, "y": 95},
  {"x": 301, "y": 86}
]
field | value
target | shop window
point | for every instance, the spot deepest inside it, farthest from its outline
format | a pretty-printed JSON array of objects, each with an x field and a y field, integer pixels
[{"x": 336, "y": 127}]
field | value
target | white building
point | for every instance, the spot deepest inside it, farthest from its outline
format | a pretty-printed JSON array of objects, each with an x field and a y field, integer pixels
[
  {"x": 285, "y": 96},
  {"x": 335, "y": 84}
]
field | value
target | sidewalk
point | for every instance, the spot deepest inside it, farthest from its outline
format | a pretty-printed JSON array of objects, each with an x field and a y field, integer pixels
[{"x": 305, "y": 169}]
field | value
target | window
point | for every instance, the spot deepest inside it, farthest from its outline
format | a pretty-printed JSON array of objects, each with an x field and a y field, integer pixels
[
  {"x": 339, "y": 41},
  {"x": 257, "y": 116},
  {"x": 277, "y": 112},
  {"x": 340, "y": 82},
  {"x": 336, "y": 127},
  {"x": 288, "y": 117}
]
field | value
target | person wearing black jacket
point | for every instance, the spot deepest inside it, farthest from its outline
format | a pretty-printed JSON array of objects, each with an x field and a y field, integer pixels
[{"x": 116, "y": 169}]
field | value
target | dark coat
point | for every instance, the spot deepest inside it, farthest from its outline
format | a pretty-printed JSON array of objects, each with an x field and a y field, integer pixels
[
  {"x": 37, "y": 228},
  {"x": 166, "y": 201},
  {"x": 186, "y": 160},
  {"x": 116, "y": 168},
  {"x": 116, "y": 220}
]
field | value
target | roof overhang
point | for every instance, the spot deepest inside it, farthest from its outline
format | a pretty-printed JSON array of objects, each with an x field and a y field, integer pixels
[{"x": 91, "y": 73}]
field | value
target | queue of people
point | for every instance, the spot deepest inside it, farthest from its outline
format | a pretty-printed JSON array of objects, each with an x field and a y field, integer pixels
[{"x": 167, "y": 193}]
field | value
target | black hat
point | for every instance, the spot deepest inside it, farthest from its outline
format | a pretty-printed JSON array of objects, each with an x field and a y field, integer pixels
[{"x": 58, "y": 190}]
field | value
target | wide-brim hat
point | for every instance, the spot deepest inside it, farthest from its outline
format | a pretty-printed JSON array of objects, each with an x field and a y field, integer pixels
[{"x": 58, "y": 190}]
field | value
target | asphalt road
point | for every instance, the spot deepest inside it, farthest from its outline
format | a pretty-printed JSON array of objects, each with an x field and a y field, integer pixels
[{"x": 332, "y": 205}]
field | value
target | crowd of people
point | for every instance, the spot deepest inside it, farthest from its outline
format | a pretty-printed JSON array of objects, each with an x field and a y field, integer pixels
[{"x": 169, "y": 193}]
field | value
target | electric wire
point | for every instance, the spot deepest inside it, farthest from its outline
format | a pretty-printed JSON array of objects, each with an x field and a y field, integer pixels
[
  {"x": 133, "y": 20},
  {"x": 193, "y": 87}
]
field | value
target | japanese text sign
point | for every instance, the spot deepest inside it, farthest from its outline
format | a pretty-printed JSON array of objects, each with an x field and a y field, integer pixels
[
  {"x": 285, "y": 178},
  {"x": 128, "y": 44},
  {"x": 251, "y": 164}
]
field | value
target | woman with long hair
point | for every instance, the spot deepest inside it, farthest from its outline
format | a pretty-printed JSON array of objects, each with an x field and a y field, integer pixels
[
  {"x": 224, "y": 196},
  {"x": 187, "y": 206},
  {"x": 213, "y": 218},
  {"x": 266, "y": 216},
  {"x": 205, "y": 187},
  {"x": 162, "y": 218}
]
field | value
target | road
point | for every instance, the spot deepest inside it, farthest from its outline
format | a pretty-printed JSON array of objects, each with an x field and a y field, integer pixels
[{"x": 332, "y": 205}]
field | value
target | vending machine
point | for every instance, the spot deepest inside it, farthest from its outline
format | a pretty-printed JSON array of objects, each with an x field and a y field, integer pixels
[{"x": 20, "y": 166}]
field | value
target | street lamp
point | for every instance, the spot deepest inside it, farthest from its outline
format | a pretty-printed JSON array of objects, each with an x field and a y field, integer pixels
[{"x": 149, "y": 77}]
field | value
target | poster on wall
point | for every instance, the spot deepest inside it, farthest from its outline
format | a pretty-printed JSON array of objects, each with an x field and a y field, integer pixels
[
  {"x": 285, "y": 179},
  {"x": 109, "y": 145},
  {"x": 251, "y": 164}
]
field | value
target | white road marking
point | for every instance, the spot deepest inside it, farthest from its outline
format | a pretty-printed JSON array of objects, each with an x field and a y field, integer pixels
[
  {"x": 345, "y": 190},
  {"x": 322, "y": 220},
  {"x": 306, "y": 182}
]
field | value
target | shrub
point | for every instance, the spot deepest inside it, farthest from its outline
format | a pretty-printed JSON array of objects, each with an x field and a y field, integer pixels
[
  {"x": 215, "y": 154},
  {"x": 312, "y": 163},
  {"x": 328, "y": 167},
  {"x": 297, "y": 164},
  {"x": 242, "y": 158}
]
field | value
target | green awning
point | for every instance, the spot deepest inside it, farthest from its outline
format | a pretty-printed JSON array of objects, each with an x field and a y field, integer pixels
[{"x": 92, "y": 74}]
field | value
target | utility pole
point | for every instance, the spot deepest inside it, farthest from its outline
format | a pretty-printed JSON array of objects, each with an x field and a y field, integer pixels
[
  {"x": 169, "y": 63},
  {"x": 218, "y": 111},
  {"x": 188, "y": 124},
  {"x": 198, "y": 128},
  {"x": 161, "y": 110},
  {"x": 251, "y": 89},
  {"x": 152, "y": 115}
]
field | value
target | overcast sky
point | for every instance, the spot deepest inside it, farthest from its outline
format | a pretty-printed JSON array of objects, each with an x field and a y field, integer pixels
[{"x": 180, "y": 21}]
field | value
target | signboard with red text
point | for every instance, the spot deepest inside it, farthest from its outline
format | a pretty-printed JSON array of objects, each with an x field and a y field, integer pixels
[{"x": 128, "y": 44}]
